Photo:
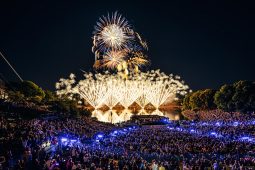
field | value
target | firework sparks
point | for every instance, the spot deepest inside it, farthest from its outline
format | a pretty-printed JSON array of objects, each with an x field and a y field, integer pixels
[
  {"x": 115, "y": 43},
  {"x": 114, "y": 36},
  {"x": 152, "y": 87},
  {"x": 137, "y": 61},
  {"x": 111, "y": 32},
  {"x": 118, "y": 47},
  {"x": 113, "y": 58}
]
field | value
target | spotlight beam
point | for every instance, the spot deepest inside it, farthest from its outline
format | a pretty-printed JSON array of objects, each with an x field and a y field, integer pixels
[{"x": 11, "y": 66}]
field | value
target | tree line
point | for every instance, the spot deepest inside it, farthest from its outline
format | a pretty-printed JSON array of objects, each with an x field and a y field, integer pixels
[
  {"x": 239, "y": 96},
  {"x": 28, "y": 94}
]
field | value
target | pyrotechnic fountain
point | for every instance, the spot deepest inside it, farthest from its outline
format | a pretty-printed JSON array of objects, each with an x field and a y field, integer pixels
[{"x": 120, "y": 49}]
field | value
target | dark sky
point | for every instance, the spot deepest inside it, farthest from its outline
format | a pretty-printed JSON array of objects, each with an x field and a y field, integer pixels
[{"x": 207, "y": 43}]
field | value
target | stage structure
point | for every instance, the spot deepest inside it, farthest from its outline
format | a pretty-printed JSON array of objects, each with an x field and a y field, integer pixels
[{"x": 121, "y": 53}]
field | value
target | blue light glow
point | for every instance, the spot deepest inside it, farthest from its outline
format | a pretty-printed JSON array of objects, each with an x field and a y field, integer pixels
[
  {"x": 64, "y": 139},
  {"x": 246, "y": 138},
  {"x": 100, "y": 136},
  {"x": 213, "y": 133},
  {"x": 235, "y": 123},
  {"x": 73, "y": 140},
  {"x": 218, "y": 124}
]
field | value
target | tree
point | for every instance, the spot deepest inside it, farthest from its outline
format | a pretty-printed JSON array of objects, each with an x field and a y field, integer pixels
[
  {"x": 207, "y": 99},
  {"x": 223, "y": 98},
  {"x": 195, "y": 101},
  {"x": 36, "y": 99},
  {"x": 243, "y": 97},
  {"x": 50, "y": 97},
  {"x": 186, "y": 103},
  {"x": 66, "y": 106},
  {"x": 251, "y": 102},
  {"x": 199, "y": 100},
  {"x": 16, "y": 96},
  {"x": 30, "y": 89}
]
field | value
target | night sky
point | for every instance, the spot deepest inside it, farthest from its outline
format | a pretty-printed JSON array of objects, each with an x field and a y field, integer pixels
[{"x": 208, "y": 44}]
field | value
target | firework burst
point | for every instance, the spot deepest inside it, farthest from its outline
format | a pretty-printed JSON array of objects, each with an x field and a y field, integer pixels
[
  {"x": 116, "y": 45},
  {"x": 113, "y": 59},
  {"x": 111, "y": 32}
]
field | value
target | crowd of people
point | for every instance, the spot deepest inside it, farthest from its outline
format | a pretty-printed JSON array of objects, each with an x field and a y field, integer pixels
[
  {"x": 19, "y": 137},
  {"x": 178, "y": 145},
  {"x": 216, "y": 114}
]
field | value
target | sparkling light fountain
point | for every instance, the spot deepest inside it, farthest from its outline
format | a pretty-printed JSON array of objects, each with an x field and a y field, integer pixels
[{"x": 121, "y": 50}]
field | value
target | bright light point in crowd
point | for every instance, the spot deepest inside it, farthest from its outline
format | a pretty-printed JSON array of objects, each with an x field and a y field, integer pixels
[
  {"x": 213, "y": 133},
  {"x": 235, "y": 123},
  {"x": 218, "y": 124},
  {"x": 100, "y": 136},
  {"x": 192, "y": 130},
  {"x": 63, "y": 139}
]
